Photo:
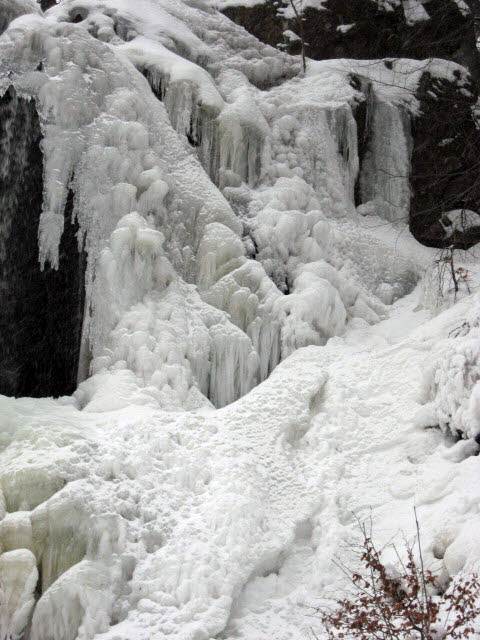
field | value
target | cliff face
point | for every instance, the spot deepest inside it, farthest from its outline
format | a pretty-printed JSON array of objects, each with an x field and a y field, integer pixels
[
  {"x": 444, "y": 168},
  {"x": 368, "y": 29},
  {"x": 40, "y": 357}
]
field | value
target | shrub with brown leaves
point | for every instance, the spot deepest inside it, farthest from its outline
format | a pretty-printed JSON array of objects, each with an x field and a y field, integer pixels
[{"x": 403, "y": 606}]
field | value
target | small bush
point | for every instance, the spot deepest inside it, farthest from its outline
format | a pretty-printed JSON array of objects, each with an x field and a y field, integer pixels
[{"x": 402, "y": 606}]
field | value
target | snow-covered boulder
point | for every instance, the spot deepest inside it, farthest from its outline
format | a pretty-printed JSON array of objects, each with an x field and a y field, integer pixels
[{"x": 18, "y": 580}]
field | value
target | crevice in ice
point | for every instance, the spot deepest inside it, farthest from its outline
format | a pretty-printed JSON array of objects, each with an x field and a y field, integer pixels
[
  {"x": 45, "y": 307},
  {"x": 362, "y": 113},
  {"x": 77, "y": 14}
]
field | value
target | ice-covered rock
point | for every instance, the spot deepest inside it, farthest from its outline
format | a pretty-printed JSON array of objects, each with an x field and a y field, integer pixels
[
  {"x": 11, "y": 9},
  {"x": 18, "y": 580},
  {"x": 148, "y": 216},
  {"x": 452, "y": 383},
  {"x": 79, "y": 604}
]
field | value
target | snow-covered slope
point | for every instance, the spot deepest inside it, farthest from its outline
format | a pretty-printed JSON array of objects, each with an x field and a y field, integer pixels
[
  {"x": 227, "y": 522},
  {"x": 242, "y": 251}
]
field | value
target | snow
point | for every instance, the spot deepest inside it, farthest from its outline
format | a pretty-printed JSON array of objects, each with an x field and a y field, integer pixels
[
  {"x": 263, "y": 357},
  {"x": 414, "y": 12},
  {"x": 155, "y": 58},
  {"x": 228, "y": 526},
  {"x": 345, "y": 28},
  {"x": 463, "y": 7},
  {"x": 459, "y": 220},
  {"x": 451, "y": 383},
  {"x": 289, "y": 35},
  {"x": 394, "y": 80}
]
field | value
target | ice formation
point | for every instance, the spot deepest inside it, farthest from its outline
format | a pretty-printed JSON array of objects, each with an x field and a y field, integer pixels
[
  {"x": 111, "y": 143},
  {"x": 414, "y": 11},
  {"x": 250, "y": 340},
  {"x": 18, "y": 571},
  {"x": 11, "y": 9},
  {"x": 451, "y": 383}
]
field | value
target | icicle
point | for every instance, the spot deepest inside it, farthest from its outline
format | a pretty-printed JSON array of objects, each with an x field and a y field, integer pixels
[
  {"x": 344, "y": 130},
  {"x": 385, "y": 171},
  {"x": 190, "y": 113},
  {"x": 241, "y": 148},
  {"x": 265, "y": 333},
  {"x": 234, "y": 365}
]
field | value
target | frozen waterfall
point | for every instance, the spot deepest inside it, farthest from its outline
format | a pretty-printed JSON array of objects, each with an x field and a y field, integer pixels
[{"x": 183, "y": 218}]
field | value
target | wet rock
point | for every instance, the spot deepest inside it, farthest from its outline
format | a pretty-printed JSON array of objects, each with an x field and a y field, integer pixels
[
  {"x": 41, "y": 314},
  {"x": 46, "y": 4},
  {"x": 445, "y": 161}
]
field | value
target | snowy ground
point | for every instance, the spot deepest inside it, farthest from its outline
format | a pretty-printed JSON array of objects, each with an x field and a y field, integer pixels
[
  {"x": 233, "y": 271},
  {"x": 227, "y": 521}
]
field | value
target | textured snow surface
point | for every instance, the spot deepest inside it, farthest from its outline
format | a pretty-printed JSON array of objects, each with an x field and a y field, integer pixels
[
  {"x": 261, "y": 360},
  {"x": 187, "y": 525}
]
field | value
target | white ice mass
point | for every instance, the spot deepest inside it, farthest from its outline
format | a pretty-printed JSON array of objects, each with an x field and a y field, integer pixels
[{"x": 266, "y": 350}]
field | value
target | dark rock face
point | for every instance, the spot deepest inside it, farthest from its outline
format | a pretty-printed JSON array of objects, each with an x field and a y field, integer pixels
[
  {"x": 41, "y": 312},
  {"x": 46, "y": 4},
  {"x": 445, "y": 172},
  {"x": 360, "y": 29}
]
